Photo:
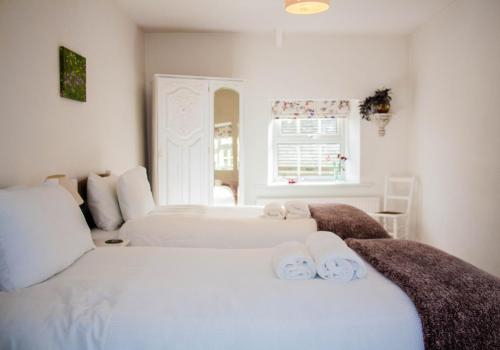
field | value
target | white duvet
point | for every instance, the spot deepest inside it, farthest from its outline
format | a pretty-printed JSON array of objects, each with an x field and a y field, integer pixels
[
  {"x": 214, "y": 227},
  {"x": 177, "y": 298}
]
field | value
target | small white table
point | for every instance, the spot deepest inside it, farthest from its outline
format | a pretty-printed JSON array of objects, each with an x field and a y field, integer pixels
[{"x": 101, "y": 242}]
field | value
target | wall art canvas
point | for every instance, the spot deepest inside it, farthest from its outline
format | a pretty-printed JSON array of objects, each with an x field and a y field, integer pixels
[{"x": 72, "y": 75}]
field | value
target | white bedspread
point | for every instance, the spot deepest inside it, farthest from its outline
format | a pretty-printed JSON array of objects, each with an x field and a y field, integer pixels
[
  {"x": 214, "y": 227},
  {"x": 175, "y": 298}
]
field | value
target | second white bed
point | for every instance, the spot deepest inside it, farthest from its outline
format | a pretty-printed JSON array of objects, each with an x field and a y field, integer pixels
[{"x": 214, "y": 227}]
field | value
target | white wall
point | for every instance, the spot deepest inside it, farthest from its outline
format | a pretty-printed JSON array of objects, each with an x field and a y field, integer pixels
[
  {"x": 42, "y": 133},
  {"x": 456, "y": 142},
  {"x": 307, "y": 66}
]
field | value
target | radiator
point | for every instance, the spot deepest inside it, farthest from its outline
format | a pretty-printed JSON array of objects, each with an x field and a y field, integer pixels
[{"x": 367, "y": 204}]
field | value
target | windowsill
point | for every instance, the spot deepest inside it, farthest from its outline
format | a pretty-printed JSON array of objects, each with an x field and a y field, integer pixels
[{"x": 321, "y": 184}]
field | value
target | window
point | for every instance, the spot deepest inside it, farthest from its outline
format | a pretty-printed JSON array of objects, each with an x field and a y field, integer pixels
[
  {"x": 314, "y": 141},
  {"x": 305, "y": 149},
  {"x": 223, "y": 146}
]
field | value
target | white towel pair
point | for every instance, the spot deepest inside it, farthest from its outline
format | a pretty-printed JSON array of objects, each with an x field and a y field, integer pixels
[
  {"x": 324, "y": 253},
  {"x": 274, "y": 210},
  {"x": 291, "y": 210},
  {"x": 297, "y": 210}
]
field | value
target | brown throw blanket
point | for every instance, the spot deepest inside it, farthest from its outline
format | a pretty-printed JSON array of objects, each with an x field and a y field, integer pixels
[
  {"x": 346, "y": 221},
  {"x": 459, "y": 304}
]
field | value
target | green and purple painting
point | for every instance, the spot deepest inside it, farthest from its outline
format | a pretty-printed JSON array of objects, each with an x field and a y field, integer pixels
[{"x": 72, "y": 75}]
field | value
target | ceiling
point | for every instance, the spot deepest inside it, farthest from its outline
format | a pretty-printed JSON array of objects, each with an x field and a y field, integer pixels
[{"x": 344, "y": 16}]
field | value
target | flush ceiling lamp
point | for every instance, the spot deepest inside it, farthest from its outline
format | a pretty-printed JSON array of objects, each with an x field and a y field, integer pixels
[{"x": 306, "y": 7}]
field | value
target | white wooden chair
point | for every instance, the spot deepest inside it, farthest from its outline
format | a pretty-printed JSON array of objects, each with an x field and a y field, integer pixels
[{"x": 395, "y": 216}]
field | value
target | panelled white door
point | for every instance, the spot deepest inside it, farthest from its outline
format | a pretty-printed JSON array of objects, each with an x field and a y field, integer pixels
[{"x": 183, "y": 141}]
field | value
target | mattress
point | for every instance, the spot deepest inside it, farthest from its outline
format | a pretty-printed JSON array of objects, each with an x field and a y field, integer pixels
[
  {"x": 214, "y": 227},
  {"x": 177, "y": 298}
]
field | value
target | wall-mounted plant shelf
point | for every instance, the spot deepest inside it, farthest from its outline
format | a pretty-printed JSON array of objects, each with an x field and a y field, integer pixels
[{"x": 381, "y": 119}]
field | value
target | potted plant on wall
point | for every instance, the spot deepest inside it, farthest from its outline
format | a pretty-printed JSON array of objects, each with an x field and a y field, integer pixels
[
  {"x": 379, "y": 102},
  {"x": 377, "y": 106}
]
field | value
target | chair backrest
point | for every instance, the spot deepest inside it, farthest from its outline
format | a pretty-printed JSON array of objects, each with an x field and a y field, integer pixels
[{"x": 406, "y": 197}]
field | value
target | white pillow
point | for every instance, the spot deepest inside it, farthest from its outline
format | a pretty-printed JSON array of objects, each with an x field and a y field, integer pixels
[
  {"x": 134, "y": 194},
  {"x": 42, "y": 231},
  {"x": 103, "y": 201}
]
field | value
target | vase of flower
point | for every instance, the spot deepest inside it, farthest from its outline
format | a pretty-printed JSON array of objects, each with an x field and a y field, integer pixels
[{"x": 339, "y": 168}]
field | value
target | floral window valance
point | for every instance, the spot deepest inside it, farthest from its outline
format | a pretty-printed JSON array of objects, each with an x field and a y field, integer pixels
[
  {"x": 282, "y": 109},
  {"x": 223, "y": 130}
]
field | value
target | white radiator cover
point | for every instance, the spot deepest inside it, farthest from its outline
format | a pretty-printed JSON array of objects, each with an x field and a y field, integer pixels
[{"x": 367, "y": 204}]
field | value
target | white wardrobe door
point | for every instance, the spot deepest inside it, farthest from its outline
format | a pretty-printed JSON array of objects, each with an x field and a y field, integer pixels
[{"x": 184, "y": 167}]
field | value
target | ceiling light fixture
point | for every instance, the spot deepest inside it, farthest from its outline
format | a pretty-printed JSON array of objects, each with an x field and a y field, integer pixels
[{"x": 306, "y": 7}]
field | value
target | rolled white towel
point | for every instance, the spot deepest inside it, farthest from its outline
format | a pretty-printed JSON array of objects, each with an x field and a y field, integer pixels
[
  {"x": 274, "y": 210},
  {"x": 297, "y": 210},
  {"x": 292, "y": 261},
  {"x": 333, "y": 258}
]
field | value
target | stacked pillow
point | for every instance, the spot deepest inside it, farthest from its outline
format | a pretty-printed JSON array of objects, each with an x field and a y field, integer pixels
[
  {"x": 134, "y": 194},
  {"x": 42, "y": 232},
  {"x": 103, "y": 201},
  {"x": 112, "y": 199}
]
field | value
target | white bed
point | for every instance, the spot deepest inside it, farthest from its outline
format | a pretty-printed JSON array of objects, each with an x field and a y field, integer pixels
[
  {"x": 196, "y": 226},
  {"x": 178, "y": 298},
  {"x": 213, "y": 227}
]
